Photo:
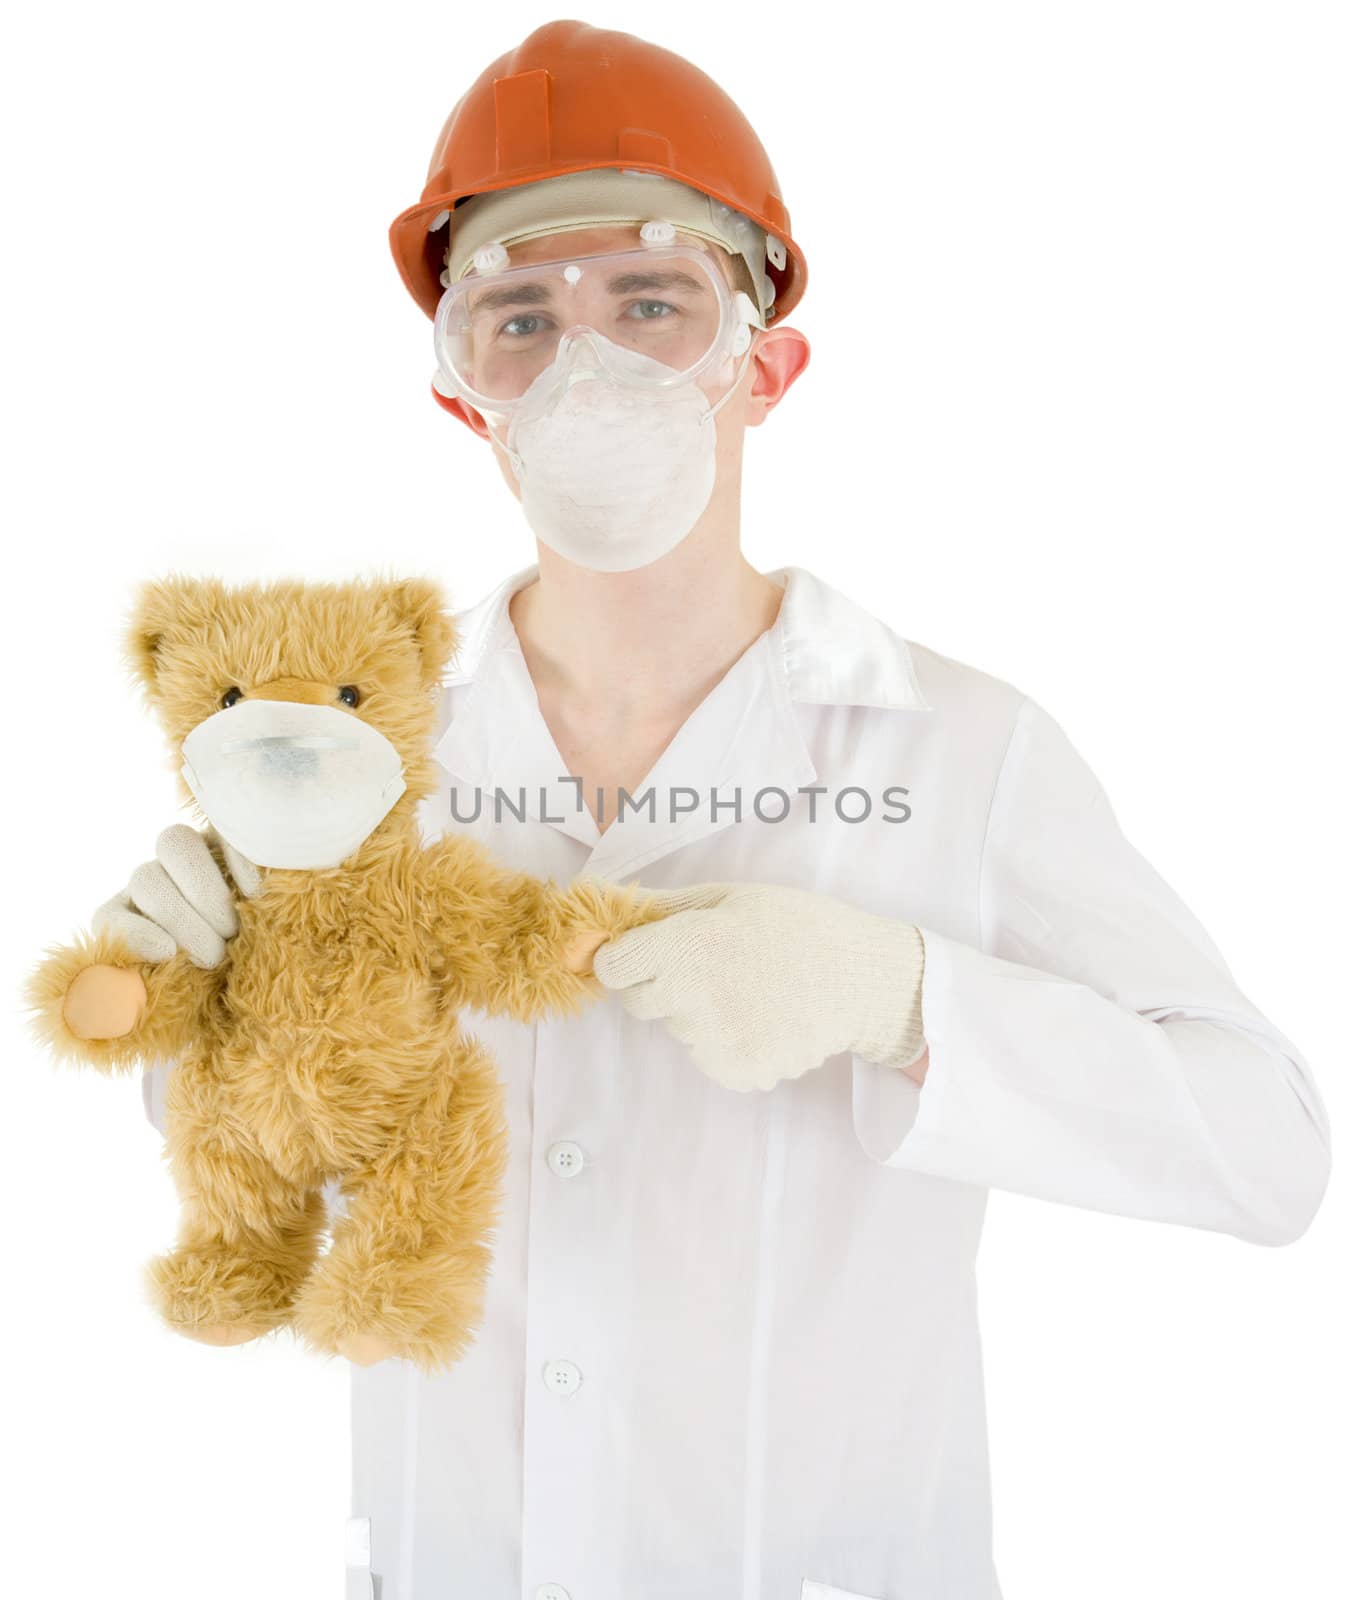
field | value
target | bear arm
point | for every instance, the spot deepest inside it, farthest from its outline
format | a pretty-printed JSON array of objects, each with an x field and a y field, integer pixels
[
  {"x": 515, "y": 945},
  {"x": 176, "y": 997}
]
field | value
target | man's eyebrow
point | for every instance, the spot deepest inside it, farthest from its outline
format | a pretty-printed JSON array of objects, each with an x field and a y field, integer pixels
[
  {"x": 516, "y": 294},
  {"x": 627, "y": 282},
  {"x": 541, "y": 293}
]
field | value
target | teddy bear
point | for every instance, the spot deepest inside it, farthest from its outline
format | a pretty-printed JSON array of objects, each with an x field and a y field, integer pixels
[{"x": 326, "y": 1046}]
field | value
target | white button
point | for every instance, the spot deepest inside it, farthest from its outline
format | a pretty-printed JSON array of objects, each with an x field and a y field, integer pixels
[
  {"x": 566, "y": 1158},
  {"x": 551, "y": 1591},
  {"x": 562, "y": 1376}
]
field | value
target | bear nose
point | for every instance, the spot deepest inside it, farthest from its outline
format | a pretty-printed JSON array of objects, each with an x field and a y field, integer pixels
[{"x": 300, "y": 691}]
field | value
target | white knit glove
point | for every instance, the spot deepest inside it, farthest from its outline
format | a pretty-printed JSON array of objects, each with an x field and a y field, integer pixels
[
  {"x": 764, "y": 982},
  {"x": 181, "y": 900}
]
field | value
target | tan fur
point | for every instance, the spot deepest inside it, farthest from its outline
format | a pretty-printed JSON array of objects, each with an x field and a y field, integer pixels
[{"x": 327, "y": 1044}]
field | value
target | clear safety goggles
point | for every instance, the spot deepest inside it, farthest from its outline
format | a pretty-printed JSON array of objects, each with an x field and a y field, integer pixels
[{"x": 500, "y": 327}]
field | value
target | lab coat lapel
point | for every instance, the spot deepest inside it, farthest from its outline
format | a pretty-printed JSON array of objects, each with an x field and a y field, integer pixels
[
  {"x": 498, "y": 743},
  {"x": 746, "y": 736},
  {"x": 743, "y": 737}
]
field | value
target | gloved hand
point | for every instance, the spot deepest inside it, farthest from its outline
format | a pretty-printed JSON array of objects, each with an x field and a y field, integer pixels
[
  {"x": 764, "y": 982},
  {"x": 181, "y": 900}
]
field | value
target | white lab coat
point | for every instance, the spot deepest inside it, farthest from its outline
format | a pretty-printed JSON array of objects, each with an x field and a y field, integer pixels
[{"x": 731, "y": 1346}]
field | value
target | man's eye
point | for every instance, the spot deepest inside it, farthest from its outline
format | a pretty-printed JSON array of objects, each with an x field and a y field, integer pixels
[
  {"x": 513, "y": 327},
  {"x": 229, "y": 698},
  {"x": 350, "y": 694}
]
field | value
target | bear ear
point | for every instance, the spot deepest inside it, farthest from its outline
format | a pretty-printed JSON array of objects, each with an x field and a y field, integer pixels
[
  {"x": 155, "y": 613},
  {"x": 166, "y": 612},
  {"x": 420, "y": 604}
]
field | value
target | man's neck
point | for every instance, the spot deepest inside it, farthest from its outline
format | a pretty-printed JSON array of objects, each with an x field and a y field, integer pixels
[{"x": 654, "y": 639}]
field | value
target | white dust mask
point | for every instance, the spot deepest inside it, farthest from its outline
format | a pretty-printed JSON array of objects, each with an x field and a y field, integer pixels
[
  {"x": 291, "y": 785},
  {"x": 612, "y": 474}
]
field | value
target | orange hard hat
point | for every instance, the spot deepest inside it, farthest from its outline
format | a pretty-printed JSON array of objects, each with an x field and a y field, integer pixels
[{"x": 571, "y": 98}]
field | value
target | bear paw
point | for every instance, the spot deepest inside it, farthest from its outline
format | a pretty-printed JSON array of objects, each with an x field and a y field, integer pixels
[
  {"x": 215, "y": 1297},
  {"x": 366, "y": 1349},
  {"x": 221, "y": 1333},
  {"x": 104, "y": 1002},
  {"x": 413, "y": 1309}
]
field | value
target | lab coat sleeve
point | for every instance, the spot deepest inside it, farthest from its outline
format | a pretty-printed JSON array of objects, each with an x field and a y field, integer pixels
[{"x": 1095, "y": 1050}]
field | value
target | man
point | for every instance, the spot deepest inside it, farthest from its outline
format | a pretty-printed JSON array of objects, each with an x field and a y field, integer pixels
[{"x": 730, "y": 1349}]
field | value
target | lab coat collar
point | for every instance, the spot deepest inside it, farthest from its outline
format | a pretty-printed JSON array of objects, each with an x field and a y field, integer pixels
[
  {"x": 742, "y": 738},
  {"x": 833, "y": 652}
]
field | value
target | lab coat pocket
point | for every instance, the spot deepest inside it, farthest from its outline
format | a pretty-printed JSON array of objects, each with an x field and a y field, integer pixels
[{"x": 824, "y": 1591}]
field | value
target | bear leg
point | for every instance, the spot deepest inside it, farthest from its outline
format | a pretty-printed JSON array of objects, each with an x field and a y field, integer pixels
[
  {"x": 247, "y": 1235},
  {"x": 406, "y": 1273},
  {"x": 225, "y": 1286}
]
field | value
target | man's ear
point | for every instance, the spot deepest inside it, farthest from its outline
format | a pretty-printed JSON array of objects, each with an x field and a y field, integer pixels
[
  {"x": 462, "y": 412},
  {"x": 420, "y": 604}
]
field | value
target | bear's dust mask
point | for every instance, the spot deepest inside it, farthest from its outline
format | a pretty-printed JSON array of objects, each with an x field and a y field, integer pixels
[{"x": 290, "y": 785}]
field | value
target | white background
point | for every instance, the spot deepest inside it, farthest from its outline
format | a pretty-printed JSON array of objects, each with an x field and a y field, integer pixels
[{"x": 1078, "y": 413}]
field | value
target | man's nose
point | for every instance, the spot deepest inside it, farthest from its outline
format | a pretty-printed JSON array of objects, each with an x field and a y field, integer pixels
[{"x": 581, "y": 341}]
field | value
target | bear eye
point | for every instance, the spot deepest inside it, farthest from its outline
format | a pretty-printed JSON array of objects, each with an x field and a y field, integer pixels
[
  {"x": 350, "y": 694},
  {"x": 229, "y": 698}
]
